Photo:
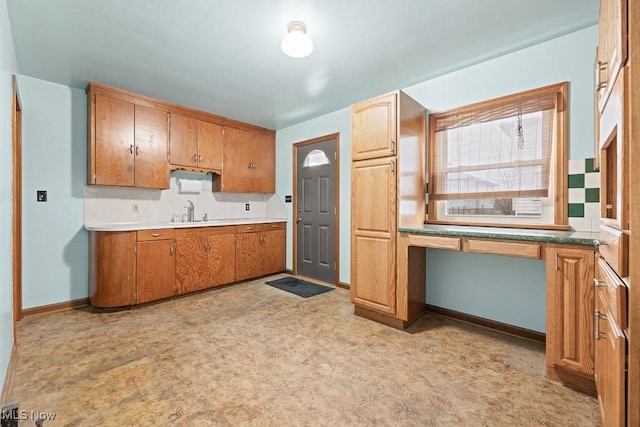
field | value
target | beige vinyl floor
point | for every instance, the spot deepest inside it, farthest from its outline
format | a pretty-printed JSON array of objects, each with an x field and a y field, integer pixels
[{"x": 253, "y": 355}]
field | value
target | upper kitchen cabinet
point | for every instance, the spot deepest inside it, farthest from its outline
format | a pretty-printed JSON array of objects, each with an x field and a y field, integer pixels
[
  {"x": 612, "y": 47},
  {"x": 249, "y": 162},
  {"x": 135, "y": 141},
  {"x": 374, "y": 128},
  {"x": 195, "y": 144},
  {"x": 127, "y": 142}
]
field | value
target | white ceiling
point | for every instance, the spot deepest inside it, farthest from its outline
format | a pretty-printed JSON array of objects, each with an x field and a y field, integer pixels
[{"x": 223, "y": 56}]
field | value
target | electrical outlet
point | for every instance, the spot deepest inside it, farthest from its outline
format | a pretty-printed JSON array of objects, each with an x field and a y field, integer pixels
[
  {"x": 246, "y": 206},
  {"x": 41, "y": 195},
  {"x": 135, "y": 207}
]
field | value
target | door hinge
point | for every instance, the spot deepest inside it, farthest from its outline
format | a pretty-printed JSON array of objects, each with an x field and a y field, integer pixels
[
  {"x": 135, "y": 249},
  {"x": 335, "y": 210}
]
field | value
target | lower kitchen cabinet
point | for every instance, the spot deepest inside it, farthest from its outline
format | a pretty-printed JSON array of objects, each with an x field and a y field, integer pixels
[
  {"x": 260, "y": 250},
  {"x": 610, "y": 358},
  {"x": 205, "y": 258},
  {"x": 135, "y": 267},
  {"x": 155, "y": 266},
  {"x": 192, "y": 260},
  {"x": 570, "y": 320},
  {"x": 222, "y": 257},
  {"x": 112, "y": 268}
]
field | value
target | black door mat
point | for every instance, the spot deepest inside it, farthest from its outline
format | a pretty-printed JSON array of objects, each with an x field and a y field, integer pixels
[{"x": 299, "y": 287}]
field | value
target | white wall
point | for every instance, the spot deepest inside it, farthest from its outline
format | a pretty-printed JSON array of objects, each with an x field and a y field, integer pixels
[
  {"x": 8, "y": 66},
  {"x": 55, "y": 245},
  {"x": 456, "y": 282}
]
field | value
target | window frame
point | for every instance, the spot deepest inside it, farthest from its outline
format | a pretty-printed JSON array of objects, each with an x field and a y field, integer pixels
[{"x": 559, "y": 165}]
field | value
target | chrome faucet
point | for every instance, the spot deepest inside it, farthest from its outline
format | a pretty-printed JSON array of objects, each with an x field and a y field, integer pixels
[{"x": 190, "y": 211}]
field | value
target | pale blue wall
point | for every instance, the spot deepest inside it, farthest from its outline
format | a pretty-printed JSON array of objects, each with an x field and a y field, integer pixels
[
  {"x": 568, "y": 58},
  {"x": 55, "y": 244},
  {"x": 8, "y": 66},
  {"x": 336, "y": 122}
]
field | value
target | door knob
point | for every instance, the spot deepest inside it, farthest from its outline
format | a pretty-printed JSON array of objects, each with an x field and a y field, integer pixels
[{"x": 298, "y": 219}]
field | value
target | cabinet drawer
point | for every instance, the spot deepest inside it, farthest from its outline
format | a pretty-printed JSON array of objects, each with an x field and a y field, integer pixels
[
  {"x": 438, "y": 242},
  {"x": 274, "y": 226},
  {"x": 517, "y": 249},
  {"x": 159, "y": 234},
  {"x": 248, "y": 228},
  {"x": 613, "y": 292},
  {"x": 613, "y": 246}
]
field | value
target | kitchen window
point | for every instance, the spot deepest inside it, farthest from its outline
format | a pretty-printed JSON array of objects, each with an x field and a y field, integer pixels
[{"x": 501, "y": 162}]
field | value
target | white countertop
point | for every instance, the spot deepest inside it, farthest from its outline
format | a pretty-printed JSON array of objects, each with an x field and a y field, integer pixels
[{"x": 130, "y": 226}]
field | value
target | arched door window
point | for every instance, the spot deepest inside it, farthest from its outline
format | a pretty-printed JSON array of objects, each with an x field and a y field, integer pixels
[{"x": 315, "y": 158}]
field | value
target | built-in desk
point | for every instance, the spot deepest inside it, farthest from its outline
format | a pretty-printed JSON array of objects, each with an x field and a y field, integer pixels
[
  {"x": 412, "y": 242},
  {"x": 569, "y": 258}
]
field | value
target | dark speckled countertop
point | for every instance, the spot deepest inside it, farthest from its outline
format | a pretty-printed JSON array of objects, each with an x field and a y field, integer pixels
[{"x": 584, "y": 238}]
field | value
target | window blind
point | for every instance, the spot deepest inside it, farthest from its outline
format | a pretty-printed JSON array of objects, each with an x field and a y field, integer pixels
[{"x": 496, "y": 149}]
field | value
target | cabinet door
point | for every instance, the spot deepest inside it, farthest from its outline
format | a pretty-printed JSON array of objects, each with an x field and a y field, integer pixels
[
  {"x": 222, "y": 259},
  {"x": 273, "y": 251},
  {"x": 155, "y": 270},
  {"x": 373, "y": 196},
  {"x": 114, "y": 160},
  {"x": 248, "y": 255},
  {"x": 183, "y": 143},
  {"x": 264, "y": 169},
  {"x": 374, "y": 128},
  {"x": 610, "y": 367},
  {"x": 612, "y": 45},
  {"x": 237, "y": 174},
  {"x": 570, "y": 308},
  {"x": 111, "y": 268},
  {"x": 151, "y": 168},
  {"x": 210, "y": 138},
  {"x": 192, "y": 263},
  {"x": 373, "y": 278}
]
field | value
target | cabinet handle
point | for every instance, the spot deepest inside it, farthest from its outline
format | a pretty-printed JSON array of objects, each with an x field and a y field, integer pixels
[
  {"x": 609, "y": 206},
  {"x": 156, "y": 234},
  {"x": 199, "y": 159},
  {"x": 393, "y": 167},
  {"x": 600, "y": 67},
  {"x": 195, "y": 158},
  {"x": 596, "y": 329},
  {"x": 250, "y": 165},
  {"x": 131, "y": 149},
  {"x": 274, "y": 226},
  {"x": 393, "y": 146},
  {"x": 598, "y": 283},
  {"x": 557, "y": 268},
  {"x": 171, "y": 250},
  {"x": 137, "y": 150}
]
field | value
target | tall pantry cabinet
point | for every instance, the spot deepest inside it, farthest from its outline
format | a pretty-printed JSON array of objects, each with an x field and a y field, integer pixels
[
  {"x": 387, "y": 191},
  {"x": 617, "y": 300}
]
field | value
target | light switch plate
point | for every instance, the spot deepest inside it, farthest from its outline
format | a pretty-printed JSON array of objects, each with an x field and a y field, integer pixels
[{"x": 41, "y": 195}]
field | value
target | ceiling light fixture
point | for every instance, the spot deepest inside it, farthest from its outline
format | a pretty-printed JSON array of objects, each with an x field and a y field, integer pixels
[{"x": 296, "y": 43}]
